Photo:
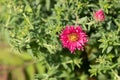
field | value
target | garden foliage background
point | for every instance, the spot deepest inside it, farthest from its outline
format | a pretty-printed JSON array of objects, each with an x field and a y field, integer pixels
[{"x": 34, "y": 26}]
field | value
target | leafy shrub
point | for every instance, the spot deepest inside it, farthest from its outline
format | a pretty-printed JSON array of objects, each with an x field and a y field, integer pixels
[{"x": 35, "y": 27}]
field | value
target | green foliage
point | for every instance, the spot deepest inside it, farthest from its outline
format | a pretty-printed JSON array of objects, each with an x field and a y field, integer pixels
[{"x": 34, "y": 27}]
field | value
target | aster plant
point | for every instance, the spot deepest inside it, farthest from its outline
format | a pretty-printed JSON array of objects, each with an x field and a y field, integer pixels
[{"x": 72, "y": 39}]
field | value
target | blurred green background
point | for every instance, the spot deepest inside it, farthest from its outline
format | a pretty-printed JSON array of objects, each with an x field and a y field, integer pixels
[
  {"x": 16, "y": 66},
  {"x": 13, "y": 65}
]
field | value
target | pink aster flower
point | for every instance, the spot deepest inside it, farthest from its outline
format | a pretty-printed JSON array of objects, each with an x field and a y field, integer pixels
[
  {"x": 73, "y": 38},
  {"x": 99, "y": 15}
]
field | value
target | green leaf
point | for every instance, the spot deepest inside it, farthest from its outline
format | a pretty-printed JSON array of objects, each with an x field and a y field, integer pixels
[
  {"x": 104, "y": 48},
  {"x": 30, "y": 71},
  {"x": 82, "y": 20},
  {"x": 77, "y": 62},
  {"x": 109, "y": 49},
  {"x": 116, "y": 44},
  {"x": 40, "y": 68},
  {"x": 48, "y": 4}
]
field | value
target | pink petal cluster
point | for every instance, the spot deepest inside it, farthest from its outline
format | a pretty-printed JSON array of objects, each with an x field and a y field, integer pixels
[
  {"x": 73, "y": 38},
  {"x": 99, "y": 15}
]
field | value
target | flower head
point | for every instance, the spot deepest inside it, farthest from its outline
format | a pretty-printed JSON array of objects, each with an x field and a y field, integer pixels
[
  {"x": 73, "y": 38},
  {"x": 99, "y": 15}
]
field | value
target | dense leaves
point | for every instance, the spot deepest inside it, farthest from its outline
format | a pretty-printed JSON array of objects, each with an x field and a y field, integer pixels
[{"x": 34, "y": 26}]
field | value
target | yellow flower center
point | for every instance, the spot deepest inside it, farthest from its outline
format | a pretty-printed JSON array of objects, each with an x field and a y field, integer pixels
[{"x": 73, "y": 37}]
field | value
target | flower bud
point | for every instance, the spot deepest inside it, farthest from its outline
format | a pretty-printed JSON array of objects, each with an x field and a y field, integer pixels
[{"x": 99, "y": 15}]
